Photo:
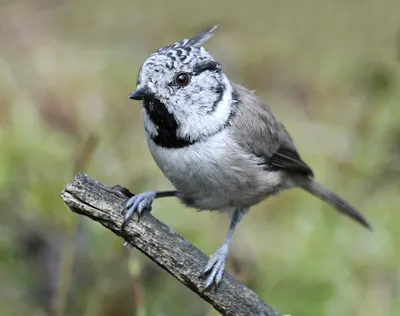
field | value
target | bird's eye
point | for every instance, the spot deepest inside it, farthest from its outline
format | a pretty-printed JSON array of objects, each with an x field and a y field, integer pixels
[{"x": 182, "y": 79}]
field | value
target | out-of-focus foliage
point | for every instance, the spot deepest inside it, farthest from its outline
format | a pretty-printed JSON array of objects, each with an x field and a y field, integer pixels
[{"x": 329, "y": 70}]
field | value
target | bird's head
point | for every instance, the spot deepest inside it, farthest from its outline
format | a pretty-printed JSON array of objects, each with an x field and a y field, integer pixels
[{"x": 184, "y": 90}]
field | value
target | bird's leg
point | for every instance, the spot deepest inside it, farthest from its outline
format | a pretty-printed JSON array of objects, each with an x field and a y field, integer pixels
[
  {"x": 141, "y": 203},
  {"x": 216, "y": 265}
]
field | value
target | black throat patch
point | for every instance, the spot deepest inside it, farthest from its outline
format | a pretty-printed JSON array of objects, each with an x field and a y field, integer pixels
[{"x": 166, "y": 124}]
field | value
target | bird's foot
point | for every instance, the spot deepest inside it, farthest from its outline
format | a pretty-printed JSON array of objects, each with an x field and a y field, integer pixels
[
  {"x": 139, "y": 203},
  {"x": 215, "y": 267}
]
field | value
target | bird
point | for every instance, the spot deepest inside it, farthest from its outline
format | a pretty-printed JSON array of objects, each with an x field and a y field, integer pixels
[{"x": 221, "y": 146}]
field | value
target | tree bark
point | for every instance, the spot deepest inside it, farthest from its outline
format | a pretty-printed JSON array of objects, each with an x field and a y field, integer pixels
[{"x": 162, "y": 245}]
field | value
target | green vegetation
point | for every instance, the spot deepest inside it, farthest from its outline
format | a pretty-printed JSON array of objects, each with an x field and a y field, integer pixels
[{"x": 330, "y": 71}]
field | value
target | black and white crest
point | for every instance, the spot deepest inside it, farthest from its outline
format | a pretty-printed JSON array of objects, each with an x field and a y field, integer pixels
[
  {"x": 195, "y": 41},
  {"x": 179, "y": 113}
]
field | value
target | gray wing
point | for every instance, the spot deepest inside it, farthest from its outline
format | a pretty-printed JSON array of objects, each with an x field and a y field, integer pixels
[{"x": 257, "y": 129}]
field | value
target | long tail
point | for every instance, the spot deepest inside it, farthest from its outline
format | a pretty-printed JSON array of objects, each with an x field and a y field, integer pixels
[{"x": 332, "y": 198}]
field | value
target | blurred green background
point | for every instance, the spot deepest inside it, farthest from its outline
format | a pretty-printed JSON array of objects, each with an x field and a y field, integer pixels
[{"x": 328, "y": 69}]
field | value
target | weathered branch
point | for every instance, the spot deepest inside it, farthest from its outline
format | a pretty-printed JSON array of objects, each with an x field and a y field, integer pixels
[{"x": 162, "y": 245}]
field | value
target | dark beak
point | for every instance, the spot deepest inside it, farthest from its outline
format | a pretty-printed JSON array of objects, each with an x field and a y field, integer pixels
[{"x": 141, "y": 93}]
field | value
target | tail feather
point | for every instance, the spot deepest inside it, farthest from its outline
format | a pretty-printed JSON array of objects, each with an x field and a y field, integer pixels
[{"x": 333, "y": 199}]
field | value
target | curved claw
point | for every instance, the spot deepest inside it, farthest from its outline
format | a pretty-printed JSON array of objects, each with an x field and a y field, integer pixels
[
  {"x": 137, "y": 204},
  {"x": 215, "y": 267}
]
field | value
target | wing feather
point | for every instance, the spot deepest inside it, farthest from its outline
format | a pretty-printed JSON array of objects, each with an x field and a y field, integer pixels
[{"x": 258, "y": 130}]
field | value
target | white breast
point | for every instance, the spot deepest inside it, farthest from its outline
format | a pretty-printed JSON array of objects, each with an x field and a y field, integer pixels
[{"x": 216, "y": 173}]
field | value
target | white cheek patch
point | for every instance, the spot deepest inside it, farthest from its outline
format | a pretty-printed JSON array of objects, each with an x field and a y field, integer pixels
[
  {"x": 196, "y": 122},
  {"x": 149, "y": 126}
]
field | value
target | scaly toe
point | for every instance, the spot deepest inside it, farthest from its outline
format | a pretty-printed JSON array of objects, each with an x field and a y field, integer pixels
[
  {"x": 131, "y": 207},
  {"x": 220, "y": 273},
  {"x": 144, "y": 206},
  {"x": 137, "y": 204},
  {"x": 129, "y": 203},
  {"x": 216, "y": 268},
  {"x": 210, "y": 265}
]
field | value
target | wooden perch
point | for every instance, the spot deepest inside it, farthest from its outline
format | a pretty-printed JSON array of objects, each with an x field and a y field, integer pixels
[{"x": 162, "y": 245}]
